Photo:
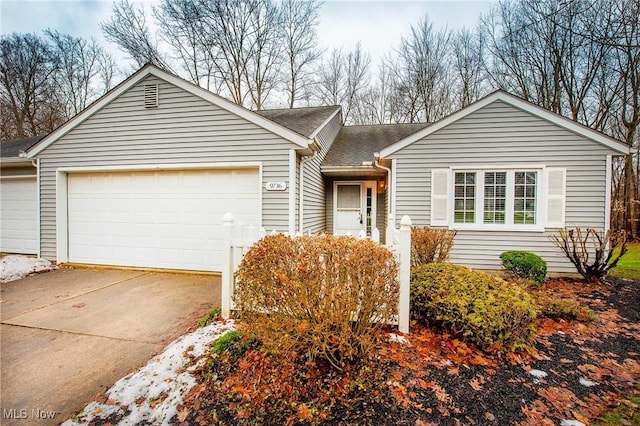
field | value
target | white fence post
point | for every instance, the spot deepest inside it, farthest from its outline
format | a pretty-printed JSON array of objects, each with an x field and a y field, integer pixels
[
  {"x": 404, "y": 251},
  {"x": 227, "y": 268},
  {"x": 375, "y": 235},
  {"x": 391, "y": 227}
]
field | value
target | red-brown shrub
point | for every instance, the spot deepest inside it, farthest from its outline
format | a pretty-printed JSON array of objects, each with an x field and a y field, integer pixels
[
  {"x": 430, "y": 245},
  {"x": 317, "y": 296}
]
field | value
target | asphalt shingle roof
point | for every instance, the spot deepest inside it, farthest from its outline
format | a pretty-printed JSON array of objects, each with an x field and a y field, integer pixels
[
  {"x": 304, "y": 121},
  {"x": 356, "y": 144},
  {"x": 9, "y": 149}
]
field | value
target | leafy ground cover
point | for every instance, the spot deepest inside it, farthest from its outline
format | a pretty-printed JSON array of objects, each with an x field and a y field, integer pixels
[
  {"x": 573, "y": 373},
  {"x": 629, "y": 265}
]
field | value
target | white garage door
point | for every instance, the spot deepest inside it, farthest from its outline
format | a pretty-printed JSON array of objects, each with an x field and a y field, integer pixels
[
  {"x": 19, "y": 215},
  {"x": 159, "y": 219}
]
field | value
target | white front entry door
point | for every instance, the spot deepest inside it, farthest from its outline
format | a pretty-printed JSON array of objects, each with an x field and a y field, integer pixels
[{"x": 354, "y": 207}]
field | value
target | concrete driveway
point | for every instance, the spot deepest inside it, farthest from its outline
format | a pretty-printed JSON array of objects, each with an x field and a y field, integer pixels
[{"x": 66, "y": 336}]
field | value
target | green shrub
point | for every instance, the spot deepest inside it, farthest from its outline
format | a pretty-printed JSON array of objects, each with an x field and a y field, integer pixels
[
  {"x": 317, "y": 296},
  {"x": 526, "y": 265},
  {"x": 430, "y": 245},
  {"x": 229, "y": 347},
  {"x": 563, "y": 309},
  {"x": 210, "y": 317},
  {"x": 477, "y": 306}
]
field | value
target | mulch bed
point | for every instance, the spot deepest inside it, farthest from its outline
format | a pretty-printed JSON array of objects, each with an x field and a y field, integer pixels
[{"x": 579, "y": 370}]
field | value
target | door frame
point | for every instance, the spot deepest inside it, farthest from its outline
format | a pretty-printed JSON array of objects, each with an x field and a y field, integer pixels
[{"x": 364, "y": 185}]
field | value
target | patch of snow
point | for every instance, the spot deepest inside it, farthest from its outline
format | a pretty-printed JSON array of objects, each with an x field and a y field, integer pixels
[
  {"x": 393, "y": 337},
  {"x": 566, "y": 422},
  {"x": 538, "y": 374},
  {"x": 587, "y": 383},
  {"x": 15, "y": 267},
  {"x": 152, "y": 394}
]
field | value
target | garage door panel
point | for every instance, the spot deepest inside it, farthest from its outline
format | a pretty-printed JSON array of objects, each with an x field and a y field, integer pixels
[
  {"x": 19, "y": 215},
  {"x": 162, "y": 219}
]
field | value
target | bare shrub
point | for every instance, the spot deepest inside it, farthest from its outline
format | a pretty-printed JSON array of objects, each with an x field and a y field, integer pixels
[
  {"x": 592, "y": 254},
  {"x": 430, "y": 245},
  {"x": 317, "y": 296}
]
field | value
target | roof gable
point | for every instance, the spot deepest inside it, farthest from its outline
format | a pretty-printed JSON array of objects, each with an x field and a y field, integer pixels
[
  {"x": 521, "y": 104},
  {"x": 151, "y": 70}
]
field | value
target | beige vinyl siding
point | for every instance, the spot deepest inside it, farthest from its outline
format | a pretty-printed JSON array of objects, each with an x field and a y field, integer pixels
[
  {"x": 183, "y": 129},
  {"x": 314, "y": 184},
  {"x": 500, "y": 134}
]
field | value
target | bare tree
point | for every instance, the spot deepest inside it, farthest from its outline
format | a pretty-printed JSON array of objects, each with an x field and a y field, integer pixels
[
  {"x": 25, "y": 71},
  {"x": 469, "y": 66},
  {"x": 128, "y": 29},
  {"x": 424, "y": 64},
  {"x": 299, "y": 21},
  {"x": 181, "y": 27},
  {"x": 343, "y": 79},
  {"x": 78, "y": 63},
  {"x": 382, "y": 102},
  {"x": 261, "y": 72}
]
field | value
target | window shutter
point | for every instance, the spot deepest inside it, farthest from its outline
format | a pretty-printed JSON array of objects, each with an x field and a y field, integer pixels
[
  {"x": 556, "y": 183},
  {"x": 440, "y": 197}
]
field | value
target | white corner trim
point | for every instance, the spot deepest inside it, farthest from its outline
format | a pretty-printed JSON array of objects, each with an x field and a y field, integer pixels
[
  {"x": 519, "y": 103},
  {"x": 392, "y": 195},
  {"x": 38, "y": 207},
  {"x": 62, "y": 215},
  {"x": 260, "y": 192},
  {"x": 292, "y": 191},
  {"x": 607, "y": 193}
]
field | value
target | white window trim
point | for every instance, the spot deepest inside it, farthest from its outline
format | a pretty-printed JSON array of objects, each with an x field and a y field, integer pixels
[{"x": 479, "y": 200}]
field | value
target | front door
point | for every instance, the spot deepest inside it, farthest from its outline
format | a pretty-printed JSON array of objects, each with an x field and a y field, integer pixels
[{"x": 354, "y": 207}]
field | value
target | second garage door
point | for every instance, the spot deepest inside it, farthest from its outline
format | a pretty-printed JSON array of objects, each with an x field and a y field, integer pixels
[
  {"x": 159, "y": 219},
  {"x": 19, "y": 215}
]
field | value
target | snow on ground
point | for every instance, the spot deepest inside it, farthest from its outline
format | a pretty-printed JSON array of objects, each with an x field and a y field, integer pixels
[
  {"x": 152, "y": 394},
  {"x": 14, "y": 267}
]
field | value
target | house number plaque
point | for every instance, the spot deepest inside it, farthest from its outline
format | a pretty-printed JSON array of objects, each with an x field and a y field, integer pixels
[{"x": 275, "y": 186}]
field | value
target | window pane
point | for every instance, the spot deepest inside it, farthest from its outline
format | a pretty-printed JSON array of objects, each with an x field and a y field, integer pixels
[
  {"x": 464, "y": 197},
  {"x": 349, "y": 196},
  {"x": 494, "y": 196},
  {"x": 525, "y": 198}
]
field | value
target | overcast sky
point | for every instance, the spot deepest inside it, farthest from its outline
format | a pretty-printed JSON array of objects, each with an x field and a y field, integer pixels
[{"x": 379, "y": 25}]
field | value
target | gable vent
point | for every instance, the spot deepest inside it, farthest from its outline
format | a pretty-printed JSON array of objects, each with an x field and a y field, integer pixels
[{"x": 150, "y": 95}]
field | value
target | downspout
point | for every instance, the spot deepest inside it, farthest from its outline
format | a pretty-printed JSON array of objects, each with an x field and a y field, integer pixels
[
  {"x": 376, "y": 158},
  {"x": 301, "y": 189}
]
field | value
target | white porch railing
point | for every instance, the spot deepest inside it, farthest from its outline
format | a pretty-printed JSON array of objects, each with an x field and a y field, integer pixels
[{"x": 237, "y": 240}]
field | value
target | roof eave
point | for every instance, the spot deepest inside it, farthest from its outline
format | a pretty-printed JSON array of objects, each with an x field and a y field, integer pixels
[{"x": 346, "y": 170}]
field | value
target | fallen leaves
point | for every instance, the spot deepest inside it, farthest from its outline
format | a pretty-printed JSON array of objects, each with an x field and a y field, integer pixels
[{"x": 437, "y": 378}]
